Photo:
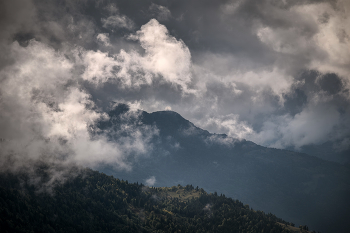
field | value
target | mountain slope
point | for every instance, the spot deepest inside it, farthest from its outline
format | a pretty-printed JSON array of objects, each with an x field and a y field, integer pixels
[
  {"x": 94, "y": 202},
  {"x": 300, "y": 188}
]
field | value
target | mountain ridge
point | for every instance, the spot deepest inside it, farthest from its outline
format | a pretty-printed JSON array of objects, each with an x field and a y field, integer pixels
[
  {"x": 298, "y": 187},
  {"x": 94, "y": 202}
]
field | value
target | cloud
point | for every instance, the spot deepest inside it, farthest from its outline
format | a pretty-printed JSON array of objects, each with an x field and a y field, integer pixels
[
  {"x": 151, "y": 181},
  {"x": 164, "y": 55},
  {"x": 161, "y": 12},
  {"x": 208, "y": 209},
  {"x": 274, "y": 73},
  {"x": 116, "y": 22},
  {"x": 221, "y": 140},
  {"x": 315, "y": 124},
  {"x": 165, "y": 59},
  {"x": 15, "y": 18},
  {"x": 319, "y": 36},
  {"x": 230, "y": 125},
  {"x": 104, "y": 39},
  {"x": 48, "y": 116},
  {"x": 332, "y": 37}
]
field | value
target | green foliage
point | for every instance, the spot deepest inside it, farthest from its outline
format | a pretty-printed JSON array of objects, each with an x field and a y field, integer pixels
[{"x": 95, "y": 202}]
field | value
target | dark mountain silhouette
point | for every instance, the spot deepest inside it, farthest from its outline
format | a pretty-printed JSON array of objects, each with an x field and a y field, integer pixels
[{"x": 297, "y": 187}]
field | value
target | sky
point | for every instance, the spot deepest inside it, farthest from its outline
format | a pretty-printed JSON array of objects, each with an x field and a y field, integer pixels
[{"x": 276, "y": 72}]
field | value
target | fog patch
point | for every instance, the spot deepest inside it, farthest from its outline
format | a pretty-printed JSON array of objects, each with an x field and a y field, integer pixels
[{"x": 150, "y": 181}]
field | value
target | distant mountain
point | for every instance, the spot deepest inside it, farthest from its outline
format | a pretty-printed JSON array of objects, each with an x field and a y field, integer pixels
[
  {"x": 298, "y": 187},
  {"x": 328, "y": 151},
  {"x": 94, "y": 202}
]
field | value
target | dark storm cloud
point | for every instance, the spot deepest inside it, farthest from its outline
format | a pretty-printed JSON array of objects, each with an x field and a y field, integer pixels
[
  {"x": 331, "y": 83},
  {"x": 295, "y": 101}
]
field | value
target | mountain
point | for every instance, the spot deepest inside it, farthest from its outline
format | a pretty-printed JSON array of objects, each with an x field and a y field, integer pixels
[
  {"x": 328, "y": 151},
  {"x": 95, "y": 202},
  {"x": 297, "y": 187}
]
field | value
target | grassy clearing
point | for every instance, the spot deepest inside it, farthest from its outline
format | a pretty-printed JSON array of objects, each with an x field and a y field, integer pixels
[
  {"x": 293, "y": 229},
  {"x": 181, "y": 193}
]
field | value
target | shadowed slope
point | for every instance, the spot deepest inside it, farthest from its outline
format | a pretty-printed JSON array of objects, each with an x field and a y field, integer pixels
[{"x": 300, "y": 188}]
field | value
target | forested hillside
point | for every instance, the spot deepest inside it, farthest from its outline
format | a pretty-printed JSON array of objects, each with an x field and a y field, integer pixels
[{"x": 95, "y": 202}]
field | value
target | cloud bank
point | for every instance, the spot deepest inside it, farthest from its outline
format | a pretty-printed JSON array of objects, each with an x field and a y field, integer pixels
[
  {"x": 274, "y": 73},
  {"x": 48, "y": 115}
]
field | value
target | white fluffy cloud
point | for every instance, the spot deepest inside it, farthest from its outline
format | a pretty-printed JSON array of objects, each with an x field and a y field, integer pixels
[
  {"x": 103, "y": 38},
  {"x": 165, "y": 55},
  {"x": 302, "y": 129},
  {"x": 47, "y": 116},
  {"x": 165, "y": 58},
  {"x": 230, "y": 125},
  {"x": 318, "y": 34}
]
